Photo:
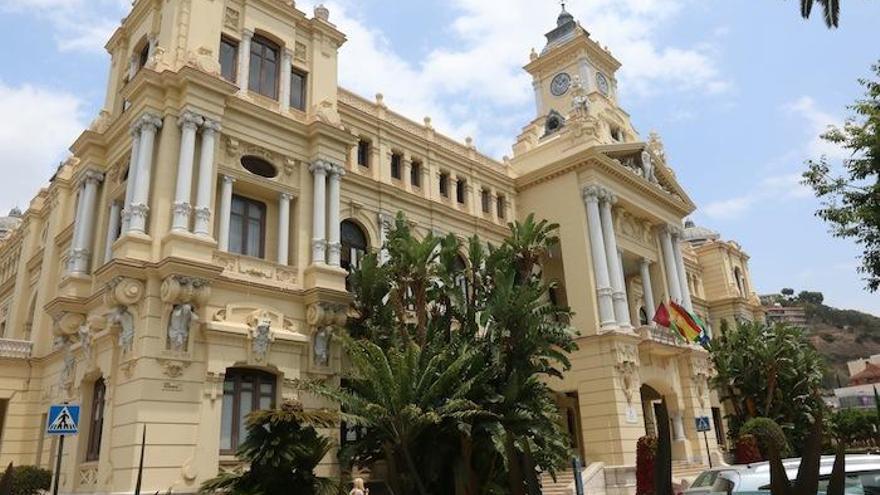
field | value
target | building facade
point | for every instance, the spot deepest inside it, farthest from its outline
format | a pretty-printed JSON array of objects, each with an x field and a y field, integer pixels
[{"x": 188, "y": 263}]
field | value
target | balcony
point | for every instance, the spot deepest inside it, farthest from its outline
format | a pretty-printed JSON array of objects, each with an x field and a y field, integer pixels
[
  {"x": 15, "y": 349},
  {"x": 661, "y": 341}
]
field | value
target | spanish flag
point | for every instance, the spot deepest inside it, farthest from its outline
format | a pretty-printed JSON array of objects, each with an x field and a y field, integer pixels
[{"x": 679, "y": 319}]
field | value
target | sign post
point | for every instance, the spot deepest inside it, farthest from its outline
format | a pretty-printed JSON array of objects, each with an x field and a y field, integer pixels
[
  {"x": 704, "y": 426},
  {"x": 62, "y": 420},
  {"x": 578, "y": 481}
]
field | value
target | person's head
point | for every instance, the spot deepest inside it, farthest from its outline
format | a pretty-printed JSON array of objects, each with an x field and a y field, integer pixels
[{"x": 359, "y": 483}]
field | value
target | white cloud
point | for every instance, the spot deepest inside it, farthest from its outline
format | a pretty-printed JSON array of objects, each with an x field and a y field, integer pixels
[
  {"x": 478, "y": 64},
  {"x": 770, "y": 190},
  {"x": 38, "y": 124},
  {"x": 816, "y": 123},
  {"x": 79, "y": 25}
]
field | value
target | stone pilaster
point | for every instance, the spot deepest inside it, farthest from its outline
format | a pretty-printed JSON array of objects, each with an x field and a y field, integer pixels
[
  {"x": 615, "y": 270},
  {"x": 210, "y": 128},
  {"x": 81, "y": 250},
  {"x": 284, "y": 228},
  {"x": 244, "y": 60},
  {"x": 669, "y": 263},
  {"x": 334, "y": 245},
  {"x": 149, "y": 125},
  {"x": 189, "y": 123},
  {"x": 319, "y": 171}
]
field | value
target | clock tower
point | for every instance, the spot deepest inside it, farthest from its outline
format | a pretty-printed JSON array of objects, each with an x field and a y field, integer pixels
[{"x": 569, "y": 65}]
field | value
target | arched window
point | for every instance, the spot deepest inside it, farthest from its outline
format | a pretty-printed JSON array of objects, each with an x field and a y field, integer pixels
[
  {"x": 354, "y": 247},
  {"x": 643, "y": 316},
  {"x": 737, "y": 274},
  {"x": 96, "y": 421},
  {"x": 263, "y": 75},
  {"x": 244, "y": 391}
]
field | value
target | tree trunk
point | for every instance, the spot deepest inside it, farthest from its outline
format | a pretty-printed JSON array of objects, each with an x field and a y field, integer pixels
[
  {"x": 393, "y": 473},
  {"x": 514, "y": 471},
  {"x": 837, "y": 482},
  {"x": 411, "y": 465}
]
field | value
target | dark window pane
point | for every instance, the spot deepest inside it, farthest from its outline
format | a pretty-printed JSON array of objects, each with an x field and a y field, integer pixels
[
  {"x": 415, "y": 174},
  {"x": 460, "y": 190},
  {"x": 396, "y": 164},
  {"x": 96, "y": 421},
  {"x": 363, "y": 156},
  {"x": 228, "y": 59},
  {"x": 444, "y": 185},
  {"x": 263, "y": 77},
  {"x": 501, "y": 206},
  {"x": 240, "y": 397},
  {"x": 354, "y": 246},
  {"x": 486, "y": 200},
  {"x": 246, "y": 227},
  {"x": 298, "y": 90}
]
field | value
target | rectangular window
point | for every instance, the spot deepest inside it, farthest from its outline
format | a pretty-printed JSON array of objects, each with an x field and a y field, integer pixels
[
  {"x": 486, "y": 200},
  {"x": 263, "y": 73},
  {"x": 501, "y": 205},
  {"x": 363, "y": 153},
  {"x": 415, "y": 174},
  {"x": 444, "y": 185},
  {"x": 228, "y": 59},
  {"x": 96, "y": 421},
  {"x": 244, "y": 391},
  {"x": 298, "y": 90},
  {"x": 460, "y": 190},
  {"x": 247, "y": 225},
  {"x": 396, "y": 165}
]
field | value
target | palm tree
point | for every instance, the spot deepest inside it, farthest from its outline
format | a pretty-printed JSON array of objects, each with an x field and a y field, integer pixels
[
  {"x": 282, "y": 449},
  {"x": 831, "y": 10},
  {"x": 399, "y": 395}
]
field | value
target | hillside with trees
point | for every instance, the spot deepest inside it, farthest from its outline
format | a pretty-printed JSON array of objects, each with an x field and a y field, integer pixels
[{"x": 840, "y": 335}]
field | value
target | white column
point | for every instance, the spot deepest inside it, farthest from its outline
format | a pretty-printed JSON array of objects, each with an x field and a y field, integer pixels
[
  {"x": 225, "y": 213},
  {"x": 669, "y": 264},
  {"x": 284, "y": 228},
  {"x": 139, "y": 206},
  {"x": 286, "y": 68},
  {"x": 189, "y": 123},
  {"x": 81, "y": 251},
  {"x": 600, "y": 263},
  {"x": 210, "y": 129},
  {"x": 621, "y": 306},
  {"x": 244, "y": 60},
  {"x": 77, "y": 227},
  {"x": 334, "y": 244},
  {"x": 319, "y": 207},
  {"x": 677, "y": 427},
  {"x": 647, "y": 290},
  {"x": 112, "y": 227},
  {"x": 682, "y": 273},
  {"x": 132, "y": 176}
]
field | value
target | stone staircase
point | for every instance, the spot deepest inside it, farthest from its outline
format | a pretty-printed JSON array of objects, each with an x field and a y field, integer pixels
[{"x": 562, "y": 486}]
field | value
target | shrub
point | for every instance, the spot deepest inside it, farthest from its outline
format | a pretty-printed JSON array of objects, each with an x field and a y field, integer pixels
[
  {"x": 853, "y": 425},
  {"x": 30, "y": 480},
  {"x": 769, "y": 435},
  {"x": 646, "y": 451}
]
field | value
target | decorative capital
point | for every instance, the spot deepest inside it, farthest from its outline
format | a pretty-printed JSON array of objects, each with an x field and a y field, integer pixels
[
  {"x": 323, "y": 314},
  {"x": 285, "y": 196},
  {"x": 228, "y": 179},
  {"x": 149, "y": 120},
  {"x": 337, "y": 171},
  {"x": 320, "y": 167},
  {"x": 209, "y": 125},
  {"x": 592, "y": 193},
  {"x": 92, "y": 176},
  {"x": 190, "y": 120},
  {"x": 247, "y": 34}
]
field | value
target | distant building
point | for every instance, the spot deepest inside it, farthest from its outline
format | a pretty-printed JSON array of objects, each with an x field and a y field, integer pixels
[
  {"x": 791, "y": 315},
  {"x": 864, "y": 375},
  {"x": 9, "y": 223}
]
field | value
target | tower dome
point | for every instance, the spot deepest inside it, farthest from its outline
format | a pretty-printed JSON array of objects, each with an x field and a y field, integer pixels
[
  {"x": 698, "y": 235},
  {"x": 10, "y": 222}
]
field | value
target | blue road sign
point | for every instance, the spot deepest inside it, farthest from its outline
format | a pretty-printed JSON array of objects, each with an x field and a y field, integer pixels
[
  {"x": 63, "y": 419},
  {"x": 703, "y": 423}
]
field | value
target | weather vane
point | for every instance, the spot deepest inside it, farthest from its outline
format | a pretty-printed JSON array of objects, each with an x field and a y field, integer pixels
[{"x": 563, "y": 4}]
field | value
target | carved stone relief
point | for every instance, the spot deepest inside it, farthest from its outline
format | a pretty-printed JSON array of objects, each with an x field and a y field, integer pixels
[{"x": 627, "y": 369}]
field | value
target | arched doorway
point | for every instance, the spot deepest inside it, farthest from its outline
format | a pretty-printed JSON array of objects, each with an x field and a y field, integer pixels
[{"x": 652, "y": 401}]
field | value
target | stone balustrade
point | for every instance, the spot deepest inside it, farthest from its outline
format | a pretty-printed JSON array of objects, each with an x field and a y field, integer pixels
[
  {"x": 15, "y": 349},
  {"x": 659, "y": 335}
]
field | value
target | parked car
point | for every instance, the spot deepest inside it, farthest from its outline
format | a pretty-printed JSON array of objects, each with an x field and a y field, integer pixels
[
  {"x": 705, "y": 483},
  {"x": 862, "y": 476}
]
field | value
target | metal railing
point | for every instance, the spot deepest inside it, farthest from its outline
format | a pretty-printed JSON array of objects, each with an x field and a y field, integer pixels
[
  {"x": 15, "y": 349},
  {"x": 659, "y": 334}
]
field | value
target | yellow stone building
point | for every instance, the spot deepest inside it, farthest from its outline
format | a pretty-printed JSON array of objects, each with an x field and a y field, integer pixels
[{"x": 188, "y": 262}]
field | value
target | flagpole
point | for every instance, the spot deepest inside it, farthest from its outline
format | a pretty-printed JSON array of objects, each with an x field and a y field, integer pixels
[{"x": 137, "y": 486}]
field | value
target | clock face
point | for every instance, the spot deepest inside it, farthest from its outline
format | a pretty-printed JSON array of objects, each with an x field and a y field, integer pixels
[
  {"x": 559, "y": 85},
  {"x": 602, "y": 83}
]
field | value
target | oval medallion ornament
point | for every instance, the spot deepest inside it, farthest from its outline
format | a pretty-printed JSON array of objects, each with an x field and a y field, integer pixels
[{"x": 560, "y": 84}]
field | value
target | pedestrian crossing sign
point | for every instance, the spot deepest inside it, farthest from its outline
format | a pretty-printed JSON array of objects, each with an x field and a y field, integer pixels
[
  {"x": 703, "y": 423},
  {"x": 63, "y": 419}
]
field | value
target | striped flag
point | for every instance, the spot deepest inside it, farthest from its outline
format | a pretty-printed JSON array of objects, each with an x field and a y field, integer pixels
[{"x": 676, "y": 318}]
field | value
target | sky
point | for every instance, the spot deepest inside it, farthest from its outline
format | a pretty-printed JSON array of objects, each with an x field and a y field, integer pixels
[{"x": 739, "y": 90}]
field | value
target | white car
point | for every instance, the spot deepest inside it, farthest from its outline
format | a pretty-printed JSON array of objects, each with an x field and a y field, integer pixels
[{"x": 862, "y": 476}]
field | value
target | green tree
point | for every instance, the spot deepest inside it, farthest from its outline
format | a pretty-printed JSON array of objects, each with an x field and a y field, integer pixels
[
  {"x": 851, "y": 197},
  {"x": 448, "y": 363},
  {"x": 830, "y": 9},
  {"x": 769, "y": 371},
  {"x": 282, "y": 450},
  {"x": 811, "y": 297},
  {"x": 787, "y": 292}
]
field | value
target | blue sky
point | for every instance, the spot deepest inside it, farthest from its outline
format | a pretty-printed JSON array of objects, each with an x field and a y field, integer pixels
[{"x": 738, "y": 89}]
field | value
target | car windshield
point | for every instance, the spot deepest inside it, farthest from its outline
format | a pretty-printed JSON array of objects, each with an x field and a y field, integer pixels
[{"x": 705, "y": 479}]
